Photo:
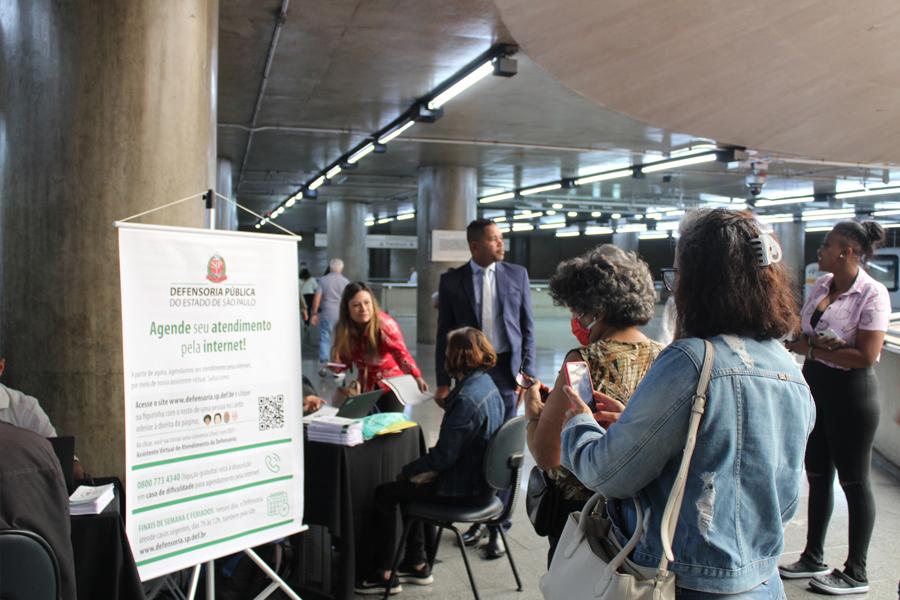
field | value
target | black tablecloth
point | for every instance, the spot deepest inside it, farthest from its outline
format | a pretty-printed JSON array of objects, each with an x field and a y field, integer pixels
[
  {"x": 340, "y": 487},
  {"x": 104, "y": 565}
]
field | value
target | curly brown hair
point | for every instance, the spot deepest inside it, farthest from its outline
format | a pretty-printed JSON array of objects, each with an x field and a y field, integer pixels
[
  {"x": 608, "y": 283},
  {"x": 720, "y": 287}
]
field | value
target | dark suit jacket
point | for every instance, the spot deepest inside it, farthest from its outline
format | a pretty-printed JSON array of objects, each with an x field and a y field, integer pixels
[{"x": 456, "y": 308}]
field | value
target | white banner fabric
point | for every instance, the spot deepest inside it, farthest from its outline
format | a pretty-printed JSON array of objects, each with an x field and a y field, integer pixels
[{"x": 213, "y": 408}]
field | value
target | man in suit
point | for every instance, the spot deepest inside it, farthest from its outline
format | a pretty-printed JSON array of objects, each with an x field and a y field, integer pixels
[{"x": 494, "y": 297}]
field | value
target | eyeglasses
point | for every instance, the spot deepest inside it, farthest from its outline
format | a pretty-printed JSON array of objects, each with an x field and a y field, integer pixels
[
  {"x": 524, "y": 380},
  {"x": 669, "y": 276}
]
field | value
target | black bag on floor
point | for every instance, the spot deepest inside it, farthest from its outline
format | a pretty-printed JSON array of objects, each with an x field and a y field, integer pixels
[{"x": 542, "y": 501}]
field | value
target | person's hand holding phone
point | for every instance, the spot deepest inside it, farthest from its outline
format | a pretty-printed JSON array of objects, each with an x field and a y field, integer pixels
[
  {"x": 534, "y": 400},
  {"x": 608, "y": 409},
  {"x": 577, "y": 405}
]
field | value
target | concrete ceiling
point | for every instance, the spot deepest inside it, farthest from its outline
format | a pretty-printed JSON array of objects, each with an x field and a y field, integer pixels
[
  {"x": 814, "y": 78},
  {"x": 343, "y": 69}
]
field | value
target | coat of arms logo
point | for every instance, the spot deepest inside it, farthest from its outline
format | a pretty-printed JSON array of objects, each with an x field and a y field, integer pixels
[{"x": 215, "y": 269}]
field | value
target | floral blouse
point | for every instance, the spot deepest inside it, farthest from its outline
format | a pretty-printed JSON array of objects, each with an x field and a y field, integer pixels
[
  {"x": 616, "y": 370},
  {"x": 391, "y": 360}
]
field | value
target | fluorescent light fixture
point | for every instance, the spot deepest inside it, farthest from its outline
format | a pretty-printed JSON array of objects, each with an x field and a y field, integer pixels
[
  {"x": 596, "y": 213},
  {"x": 687, "y": 161},
  {"x": 385, "y": 220},
  {"x": 565, "y": 234},
  {"x": 886, "y": 213},
  {"x": 879, "y": 191},
  {"x": 638, "y": 217},
  {"x": 369, "y": 223},
  {"x": 631, "y": 228},
  {"x": 290, "y": 202},
  {"x": 779, "y": 218},
  {"x": 819, "y": 229},
  {"x": 598, "y": 231},
  {"x": 359, "y": 154},
  {"x": 674, "y": 213},
  {"x": 498, "y": 219},
  {"x": 616, "y": 216},
  {"x": 556, "y": 205},
  {"x": 330, "y": 173},
  {"x": 716, "y": 199},
  {"x": 571, "y": 214},
  {"x": 502, "y": 228},
  {"x": 395, "y": 132},
  {"x": 317, "y": 182},
  {"x": 257, "y": 225},
  {"x": 528, "y": 215},
  {"x": 523, "y": 227},
  {"x": 540, "y": 188},
  {"x": 653, "y": 235},
  {"x": 667, "y": 225},
  {"x": 617, "y": 174},
  {"x": 462, "y": 85},
  {"x": 832, "y": 213},
  {"x": 552, "y": 226},
  {"x": 890, "y": 225},
  {"x": 550, "y": 213},
  {"x": 497, "y": 197},
  {"x": 406, "y": 216},
  {"x": 692, "y": 149},
  {"x": 763, "y": 202},
  {"x": 654, "y": 215}
]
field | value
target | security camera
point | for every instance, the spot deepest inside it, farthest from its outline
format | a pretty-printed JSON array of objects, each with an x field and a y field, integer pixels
[{"x": 756, "y": 179}]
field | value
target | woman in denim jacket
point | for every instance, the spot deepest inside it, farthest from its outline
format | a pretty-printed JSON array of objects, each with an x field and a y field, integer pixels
[
  {"x": 451, "y": 472},
  {"x": 744, "y": 479}
]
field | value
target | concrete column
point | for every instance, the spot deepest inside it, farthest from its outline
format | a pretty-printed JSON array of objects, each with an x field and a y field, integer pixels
[
  {"x": 346, "y": 229},
  {"x": 792, "y": 237},
  {"x": 226, "y": 212},
  {"x": 626, "y": 241},
  {"x": 446, "y": 201},
  {"x": 106, "y": 109}
]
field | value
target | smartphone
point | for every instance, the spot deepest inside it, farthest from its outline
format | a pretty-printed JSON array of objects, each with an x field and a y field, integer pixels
[
  {"x": 829, "y": 334},
  {"x": 578, "y": 375},
  {"x": 336, "y": 367}
]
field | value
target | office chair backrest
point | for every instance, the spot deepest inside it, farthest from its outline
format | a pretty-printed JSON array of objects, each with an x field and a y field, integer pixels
[
  {"x": 28, "y": 567},
  {"x": 503, "y": 459}
]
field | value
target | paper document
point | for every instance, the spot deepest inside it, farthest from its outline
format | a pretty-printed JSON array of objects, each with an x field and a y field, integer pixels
[
  {"x": 325, "y": 411},
  {"x": 91, "y": 500},
  {"x": 407, "y": 390}
]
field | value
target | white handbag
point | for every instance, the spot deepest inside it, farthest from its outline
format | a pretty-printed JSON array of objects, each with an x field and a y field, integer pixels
[{"x": 589, "y": 562}]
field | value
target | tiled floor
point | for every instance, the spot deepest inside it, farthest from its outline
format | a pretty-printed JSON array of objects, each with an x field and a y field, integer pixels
[{"x": 495, "y": 579}]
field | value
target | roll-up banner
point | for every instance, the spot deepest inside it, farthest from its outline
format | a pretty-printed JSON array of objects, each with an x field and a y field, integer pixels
[{"x": 213, "y": 408}]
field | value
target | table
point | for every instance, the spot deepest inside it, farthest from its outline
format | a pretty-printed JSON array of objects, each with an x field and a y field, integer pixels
[
  {"x": 340, "y": 487},
  {"x": 104, "y": 565}
]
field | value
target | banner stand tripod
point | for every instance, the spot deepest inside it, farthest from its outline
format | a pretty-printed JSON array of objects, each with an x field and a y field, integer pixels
[{"x": 276, "y": 581}]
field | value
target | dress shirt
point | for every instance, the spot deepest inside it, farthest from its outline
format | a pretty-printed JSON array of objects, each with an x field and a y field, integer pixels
[
  {"x": 497, "y": 336},
  {"x": 24, "y": 411}
]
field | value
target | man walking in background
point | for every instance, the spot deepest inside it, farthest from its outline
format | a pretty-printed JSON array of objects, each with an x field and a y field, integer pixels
[
  {"x": 494, "y": 297},
  {"x": 327, "y": 299}
]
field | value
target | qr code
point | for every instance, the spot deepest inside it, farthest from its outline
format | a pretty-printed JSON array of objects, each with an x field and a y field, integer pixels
[{"x": 271, "y": 412}]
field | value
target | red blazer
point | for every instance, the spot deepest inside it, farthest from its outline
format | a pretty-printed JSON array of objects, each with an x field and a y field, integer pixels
[{"x": 391, "y": 360}]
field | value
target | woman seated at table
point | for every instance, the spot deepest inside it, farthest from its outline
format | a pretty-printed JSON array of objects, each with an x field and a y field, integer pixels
[
  {"x": 610, "y": 293},
  {"x": 451, "y": 472},
  {"x": 372, "y": 341}
]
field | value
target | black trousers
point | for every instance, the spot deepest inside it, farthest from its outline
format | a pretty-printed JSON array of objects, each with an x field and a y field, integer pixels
[
  {"x": 846, "y": 419},
  {"x": 388, "y": 498}
]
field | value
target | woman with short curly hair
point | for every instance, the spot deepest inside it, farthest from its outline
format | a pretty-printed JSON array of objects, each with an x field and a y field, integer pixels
[{"x": 610, "y": 293}]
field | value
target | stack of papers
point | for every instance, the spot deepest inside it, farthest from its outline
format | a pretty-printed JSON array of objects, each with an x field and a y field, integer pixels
[
  {"x": 407, "y": 390},
  {"x": 335, "y": 430},
  {"x": 91, "y": 500}
]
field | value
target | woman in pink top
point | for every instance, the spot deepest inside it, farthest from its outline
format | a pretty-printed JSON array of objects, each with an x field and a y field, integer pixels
[{"x": 844, "y": 321}]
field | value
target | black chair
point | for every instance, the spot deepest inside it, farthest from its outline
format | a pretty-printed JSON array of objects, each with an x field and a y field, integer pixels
[
  {"x": 28, "y": 567},
  {"x": 502, "y": 470}
]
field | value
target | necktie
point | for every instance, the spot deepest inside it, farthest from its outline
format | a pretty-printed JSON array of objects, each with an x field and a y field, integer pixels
[{"x": 487, "y": 305}]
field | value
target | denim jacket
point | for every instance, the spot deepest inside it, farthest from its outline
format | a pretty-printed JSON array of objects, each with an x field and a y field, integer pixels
[
  {"x": 744, "y": 478},
  {"x": 472, "y": 413}
]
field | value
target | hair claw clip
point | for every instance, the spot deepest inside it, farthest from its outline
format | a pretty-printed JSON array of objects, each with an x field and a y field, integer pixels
[{"x": 766, "y": 249}]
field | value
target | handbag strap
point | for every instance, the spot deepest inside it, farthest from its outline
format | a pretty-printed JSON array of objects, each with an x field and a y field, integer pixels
[{"x": 673, "y": 505}]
